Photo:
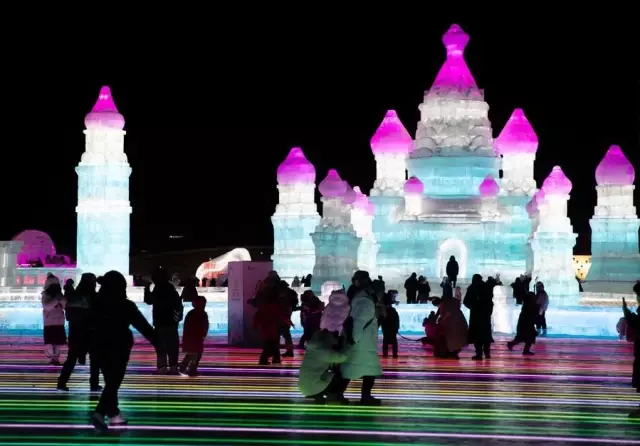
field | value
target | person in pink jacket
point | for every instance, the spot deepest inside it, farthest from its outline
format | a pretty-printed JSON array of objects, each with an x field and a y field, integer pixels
[{"x": 53, "y": 305}]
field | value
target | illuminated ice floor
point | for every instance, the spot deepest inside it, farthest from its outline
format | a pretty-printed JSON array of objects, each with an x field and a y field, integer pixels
[{"x": 572, "y": 392}]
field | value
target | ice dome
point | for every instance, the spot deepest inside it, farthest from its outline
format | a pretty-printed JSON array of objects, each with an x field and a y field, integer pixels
[
  {"x": 333, "y": 186},
  {"x": 489, "y": 187},
  {"x": 556, "y": 183},
  {"x": 391, "y": 136},
  {"x": 413, "y": 186},
  {"x": 615, "y": 169},
  {"x": 296, "y": 169},
  {"x": 517, "y": 136},
  {"x": 350, "y": 196},
  {"x": 361, "y": 199},
  {"x": 104, "y": 113}
]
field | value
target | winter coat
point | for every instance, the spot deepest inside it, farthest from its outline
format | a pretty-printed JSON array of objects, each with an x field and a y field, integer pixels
[
  {"x": 634, "y": 323},
  {"x": 53, "y": 309},
  {"x": 319, "y": 356},
  {"x": 423, "y": 291},
  {"x": 452, "y": 269},
  {"x": 111, "y": 319},
  {"x": 167, "y": 305},
  {"x": 196, "y": 327},
  {"x": 447, "y": 290},
  {"x": 411, "y": 286},
  {"x": 478, "y": 300},
  {"x": 390, "y": 323},
  {"x": 454, "y": 325},
  {"x": 526, "y": 328},
  {"x": 269, "y": 318},
  {"x": 362, "y": 357},
  {"x": 542, "y": 301}
]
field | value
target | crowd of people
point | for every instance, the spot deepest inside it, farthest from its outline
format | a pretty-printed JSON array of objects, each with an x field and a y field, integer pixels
[{"x": 340, "y": 338}]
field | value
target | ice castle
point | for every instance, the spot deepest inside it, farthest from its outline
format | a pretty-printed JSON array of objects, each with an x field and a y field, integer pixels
[{"x": 453, "y": 190}]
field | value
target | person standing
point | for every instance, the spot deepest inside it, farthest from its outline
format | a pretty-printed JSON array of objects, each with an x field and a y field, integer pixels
[
  {"x": 411, "y": 287},
  {"x": 53, "y": 305},
  {"x": 479, "y": 299},
  {"x": 452, "y": 271}
]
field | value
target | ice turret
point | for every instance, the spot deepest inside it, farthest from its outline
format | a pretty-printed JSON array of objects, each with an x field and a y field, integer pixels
[
  {"x": 489, "y": 187},
  {"x": 333, "y": 186},
  {"x": 614, "y": 226},
  {"x": 455, "y": 73},
  {"x": 518, "y": 144},
  {"x": 296, "y": 169},
  {"x": 615, "y": 169},
  {"x": 413, "y": 190},
  {"x": 391, "y": 144},
  {"x": 413, "y": 186},
  {"x": 556, "y": 183},
  {"x": 362, "y": 220},
  {"x": 105, "y": 113}
]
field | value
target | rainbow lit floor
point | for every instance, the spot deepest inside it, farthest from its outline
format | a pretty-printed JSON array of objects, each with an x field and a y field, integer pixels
[{"x": 571, "y": 392}]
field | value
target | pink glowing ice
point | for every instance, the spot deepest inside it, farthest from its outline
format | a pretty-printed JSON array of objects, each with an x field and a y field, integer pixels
[
  {"x": 361, "y": 199},
  {"x": 333, "y": 186},
  {"x": 532, "y": 206},
  {"x": 615, "y": 169},
  {"x": 517, "y": 136},
  {"x": 391, "y": 137},
  {"x": 454, "y": 72},
  {"x": 557, "y": 183},
  {"x": 371, "y": 209},
  {"x": 104, "y": 113},
  {"x": 540, "y": 197},
  {"x": 413, "y": 186},
  {"x": 350, "y": 196},
  {"x": 489, "y": 187},
  {"x": 296, "y": 169}
]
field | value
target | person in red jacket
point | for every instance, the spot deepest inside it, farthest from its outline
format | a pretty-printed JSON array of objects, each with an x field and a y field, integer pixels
[
  {"x": 196, "y": 327},
  {"x": 269, "y": 319}
]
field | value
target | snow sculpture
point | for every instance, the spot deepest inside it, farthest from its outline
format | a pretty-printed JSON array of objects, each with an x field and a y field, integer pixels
[
  {"x": 390, "y": 145},
  {"x": 614, "y": 226},
  {"x": 518, "y": 144},
  {"x": 295, "y": 218},
  {"x": 103, "y": 237},
  {"x": 553, "y": 242},
  {"x": 335, "y": 240}
]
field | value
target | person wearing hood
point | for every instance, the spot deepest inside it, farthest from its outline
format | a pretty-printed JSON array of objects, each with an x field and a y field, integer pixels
[
  {"x": 479, "y": 299},
  {"x": 452, "y": 270},
  {"x": 543, "y": 304},
  {"x": 80, "y": 332},
  {"x": 362, "y": 333},
  {"x": 320, "y": 374},
  {"x": 633, "y": 319},
  {"x": 167, "y": 314},
  {"x": 53, "y": 305},
  {"x": 112, "y": 314}
]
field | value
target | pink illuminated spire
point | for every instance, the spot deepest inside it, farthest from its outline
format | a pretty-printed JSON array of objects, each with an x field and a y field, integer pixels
[
  {"x": 413, "y": 186},
  {"x": 104, "y": 113},
  {"x": 556, "y": 183},
  {"x": 350, "y": 196},
  {"x": 531, "y": 207},
  {"x": 517, "y": 136},
  {"x": 333, "y": 186},
  {"x": 362, "y": 201},
  {"x": 489, "y": 187},
  {"x": 296, "y": 169},
  {"x": 391, "y": 137},
  {"x": 615, "y": 169},
  {"x": 455, "y": 73}
]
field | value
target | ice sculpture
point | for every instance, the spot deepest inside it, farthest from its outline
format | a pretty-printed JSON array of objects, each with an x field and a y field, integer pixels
[
  {"x": 518, "y": 144},
  {"x": 390, "y": 145},
  {"x": 335, "y": 239},
  {"x": 614, "y": 226},
  {"x": 553, "y": 241},
  {"x": 362, "y": 211},
  {"x": 413, "y": 190},
  {"x": 103, "y": 237},
  {"x": 295, "y": 218}
]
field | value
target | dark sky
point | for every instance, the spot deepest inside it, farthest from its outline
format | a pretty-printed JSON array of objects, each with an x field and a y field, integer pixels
[{"x": 211, "y": 115}]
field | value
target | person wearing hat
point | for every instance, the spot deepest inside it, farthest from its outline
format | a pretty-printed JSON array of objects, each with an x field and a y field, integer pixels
[
  {"x": 320, "y": 375},
  {"x": 362, "y": 332},
  {"x": 53, "y": 305}
]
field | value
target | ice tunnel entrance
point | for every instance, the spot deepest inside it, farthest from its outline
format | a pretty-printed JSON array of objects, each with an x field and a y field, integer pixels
[{"x": 448, "y": 248}]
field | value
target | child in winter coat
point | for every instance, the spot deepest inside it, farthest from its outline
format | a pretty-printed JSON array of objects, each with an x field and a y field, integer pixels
[
  {"x": 196, "y": 327},
  {"x": 269, "y": 319},
  {"x": 53, "y": 304},
  {"x": 390, "y": 325}
]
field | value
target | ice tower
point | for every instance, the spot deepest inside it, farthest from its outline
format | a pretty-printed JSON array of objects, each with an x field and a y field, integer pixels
[
  {"x": 335, "y": 239},
  {"x": 103, "y": 192},
  {"x": 296, "y": 217},
  {"x": 362, "y": 211},
  {"x": 553, "y": 242},
  {"x": 614, "y": 226}
]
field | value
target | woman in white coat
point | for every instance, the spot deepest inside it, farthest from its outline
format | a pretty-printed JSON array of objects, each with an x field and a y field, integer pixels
[{"x": 362, "y": 358}]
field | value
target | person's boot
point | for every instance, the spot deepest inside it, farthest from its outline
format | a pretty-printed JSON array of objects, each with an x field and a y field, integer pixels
[
  {"x": 337, "y": 399},
  {"x": 288, "y": 354},
  {"x": 369, "y": 400}
]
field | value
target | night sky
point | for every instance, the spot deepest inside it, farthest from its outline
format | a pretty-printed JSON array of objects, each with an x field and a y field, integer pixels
[{"x": 210, "y": 116}]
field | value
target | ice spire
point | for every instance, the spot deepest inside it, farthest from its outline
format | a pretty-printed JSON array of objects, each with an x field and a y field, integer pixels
[
  {"x": 517, "y": 136},
  {"x": 455, "y": 73},
  {"x": 391, "y": 137},
  {"x": 104, "y": 113},
  {"x": 296, "y": 169},
  {"x": 489, "y": 187},
  {"x": 333, "y": 186},
  {"x": 615, "y": 169},
  {"x": 557, "y": 183}
]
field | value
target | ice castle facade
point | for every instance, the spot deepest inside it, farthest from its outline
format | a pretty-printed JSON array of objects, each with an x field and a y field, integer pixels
[
  {"x": 454, "y": 190},
  {"x": 103, "y": 210}
]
